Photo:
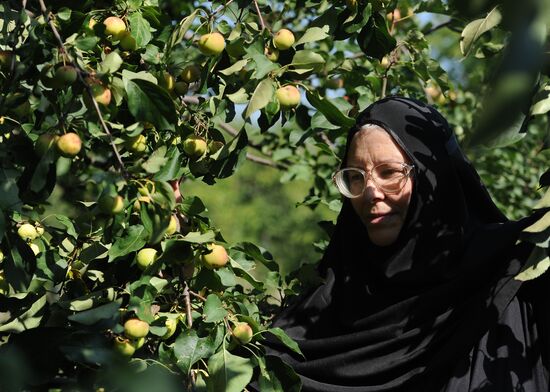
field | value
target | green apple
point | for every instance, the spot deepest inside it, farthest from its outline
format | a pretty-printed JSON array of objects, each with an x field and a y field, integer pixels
[
  {"x": 212, "y": 44},
  {"x": 114, "y": 26},
  {"x": 44, "y": 143},
  {"x": 27, "y": 232},
  {"x": 181, "y": 87},
  {"x": 145, "y": 257},
  {"x": 69, "y": 145},
  {"x": 243, "y": 333},
  {"x": 214, "y": 146},
  {"x": 171, "y": 325},
  {"x": 166, "y": 81},
  {"x": 136, "y": 144},
  {"x": 191, "y": 73},
  {"x": 127, "y": 41},
  {"x": 288, "y": 96},
  {"x": 283, "y": 39},
  {"x": 65, "y": 75},
  {"x": 135, "y": 328},
  {"x": 111, "y": 205},
  {"x": 138, "y": 343},
  {"x": 124, "y": 347},
  {"x": 271, "y": 53},
  {"x": 172, "y": 226},
  {"x": 216, "y": 257},
  {"x": 194, "y": 146}
]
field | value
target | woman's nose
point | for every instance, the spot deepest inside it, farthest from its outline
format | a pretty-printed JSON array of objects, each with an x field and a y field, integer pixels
[{"x": 372, "y": 192}]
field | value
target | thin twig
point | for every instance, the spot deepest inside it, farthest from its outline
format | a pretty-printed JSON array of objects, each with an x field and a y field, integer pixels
[
  {"x": 266, "y": 162},
  {"x": 221, "y": 7},
  {"x": 87, "y": 87},
  {"x": 197, "y": 295},
  {"x": 259, "y": 14},
  {"x": 328, "y": 141},
  {"x": 187, "y": 300},
  {"x": 439, "y": 26}
]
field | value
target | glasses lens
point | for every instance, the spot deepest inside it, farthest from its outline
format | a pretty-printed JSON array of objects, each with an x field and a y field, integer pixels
[
  {"x": 350, "y": 182},
  {"x": 390, "y": 176}
]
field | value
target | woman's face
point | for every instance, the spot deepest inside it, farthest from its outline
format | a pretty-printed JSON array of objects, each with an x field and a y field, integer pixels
[{"x": 383, "y": 214}]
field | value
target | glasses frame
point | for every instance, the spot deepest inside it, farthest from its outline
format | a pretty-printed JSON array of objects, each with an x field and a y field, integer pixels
[{"x": 336, "y": 178}]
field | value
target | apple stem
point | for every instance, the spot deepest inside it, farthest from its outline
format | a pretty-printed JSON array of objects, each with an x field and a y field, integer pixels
[{"x": 197, "y": 295}]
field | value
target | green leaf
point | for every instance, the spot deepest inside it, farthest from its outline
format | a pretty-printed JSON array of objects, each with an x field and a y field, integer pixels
[
  {"x": 111, "y": 63},
  {"x": 189, "y": 348},
  {"x": 134, "y": 239},
  {"x": 178, "y": 33},
  {"x": 542, "y": 102},
  {"x": 28, "y": 319},
  {"x": 9, "y": 191},
  {"x": 142, "y": 75},
  {"x": 475, "y": 29},
  {"x": 313, "y": 34},
  {"x": 172, "y": 168},
  {"x": 151, "y": 103},
  {"x": 262, "y": 66},
  {"x": 262, "y": 95},
  {"x": 65, "y": 221},
  {"x": 234, "y": 68},
  {"x": 228, "y": 372},
  {"x": 156, "y": 161},
  {"x": 192, "y": 205},
  {"x": 374, "y": 39},
  {"x": 107, "y": 314},
  {"x": 329, "y": 110},
  {"x": 307, "y": 57},
  {"x": 537, "y": 264},
  {"x": 213, "y": 309},
  {"x": 141, "y": 29},
  {"x": 285, "y": 339},
  {"x": 540, "y": 225},
  {"x": 87, "y": 44},
  {"x": 94, "y": 251}
]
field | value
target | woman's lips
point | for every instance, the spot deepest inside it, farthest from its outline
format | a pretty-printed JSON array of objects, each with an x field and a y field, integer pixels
[{"x": 380, "y": 218}]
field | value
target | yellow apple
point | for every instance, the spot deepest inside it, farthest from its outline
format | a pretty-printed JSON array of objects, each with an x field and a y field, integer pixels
[
  {"x": 69, "y": 145},
  {"x": 145, "y": 257},
  {"x": 288, "y": 96},
  {"x": 100, "y": 93},
  {"x": 135, "y": 328},
  {"x": 283, "y": 39},
  {"x": 212, "y": 44},
  {"x": 138, "y": 343},
  {"x": 216, "y": 257},
  {"x": 243, "y": 333},
  {"x": 27, "y": 232},
  {"x": 114, "y": 26}
]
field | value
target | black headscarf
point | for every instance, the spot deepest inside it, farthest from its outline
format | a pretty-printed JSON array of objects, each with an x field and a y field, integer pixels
[{"x": 399, "y": 317}]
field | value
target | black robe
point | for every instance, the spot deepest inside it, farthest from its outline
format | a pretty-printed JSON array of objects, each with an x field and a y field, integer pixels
[{"x": 437, "y": 310}]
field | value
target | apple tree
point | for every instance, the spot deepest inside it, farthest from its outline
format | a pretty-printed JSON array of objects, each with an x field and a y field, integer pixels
[{"x": 111, "y": 274}]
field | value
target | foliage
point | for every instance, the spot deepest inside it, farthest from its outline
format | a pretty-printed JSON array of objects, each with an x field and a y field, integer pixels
[{"x": 149, "y": 109}]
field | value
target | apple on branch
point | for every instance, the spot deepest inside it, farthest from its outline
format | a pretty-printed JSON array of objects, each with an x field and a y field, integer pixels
[
  {"x": 215, "y": 258},
  {"x": 145, "y": 257},
  {"x": 211, "y": 44},
  {"x": 288, "y": 96},
  {"x": 283, "y": 39},
  {"x": 69, "y": 145},
  {"x": 114, "y": 26}
]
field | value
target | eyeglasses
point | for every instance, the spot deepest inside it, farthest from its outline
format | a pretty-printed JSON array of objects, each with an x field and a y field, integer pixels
[{"x": 389, "y": 177}]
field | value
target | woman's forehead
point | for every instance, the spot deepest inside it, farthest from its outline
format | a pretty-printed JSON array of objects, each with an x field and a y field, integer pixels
[{"x": 374, "y": 144}]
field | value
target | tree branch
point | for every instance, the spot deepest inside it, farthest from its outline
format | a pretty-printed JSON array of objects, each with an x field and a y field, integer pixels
[
  {"x": 259, "y": 14},
  {"x": 44, "y": 10}
]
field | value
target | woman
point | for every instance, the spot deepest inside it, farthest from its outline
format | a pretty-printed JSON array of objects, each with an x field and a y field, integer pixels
[{"x": 419, "y": 291}]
